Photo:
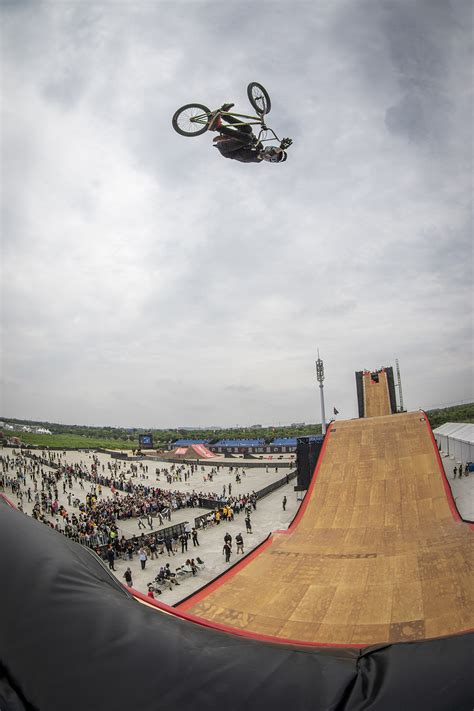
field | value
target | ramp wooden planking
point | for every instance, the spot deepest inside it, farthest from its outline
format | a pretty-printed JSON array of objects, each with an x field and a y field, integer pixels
[
  {"x": 376, "y": 395},
  {"x": 377, "y": 554}
]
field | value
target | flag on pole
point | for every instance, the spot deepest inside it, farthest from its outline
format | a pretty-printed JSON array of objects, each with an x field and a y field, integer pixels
[{"x": 336, "y": 412}]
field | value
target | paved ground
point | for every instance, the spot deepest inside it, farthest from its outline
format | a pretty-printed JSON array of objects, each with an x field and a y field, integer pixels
[
  {"x": 462, "y": 489},
  {"x": 269, "y": 516}
]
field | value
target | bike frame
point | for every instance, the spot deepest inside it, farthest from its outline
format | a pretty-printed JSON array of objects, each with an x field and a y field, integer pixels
[{"x": 252, "y": 121}]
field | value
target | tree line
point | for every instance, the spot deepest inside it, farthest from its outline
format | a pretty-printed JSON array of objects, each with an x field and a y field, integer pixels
[{"x": 128, "y": 437}]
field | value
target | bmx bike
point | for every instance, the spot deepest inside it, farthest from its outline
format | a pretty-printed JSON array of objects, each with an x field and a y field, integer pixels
[{"x": 194, "y": 119}]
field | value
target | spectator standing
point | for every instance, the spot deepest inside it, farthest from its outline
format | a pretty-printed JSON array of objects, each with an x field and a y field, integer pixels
[
  {"x": 248, "y": 524},
  {"x": 284, "y": 503},
  {"x": 227, "y": 551},
  {"x": 142, "y": 557},
  {"x": 240, "y": 543},
  {"x": 169, "y": 546},
  {"x": 194, "y": 534},
  {"x": 128, "y": 577},
  {"x": 110, "y": 557}
]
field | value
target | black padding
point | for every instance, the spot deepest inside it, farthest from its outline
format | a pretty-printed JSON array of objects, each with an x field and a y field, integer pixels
[{"x": 71, "y": 637}]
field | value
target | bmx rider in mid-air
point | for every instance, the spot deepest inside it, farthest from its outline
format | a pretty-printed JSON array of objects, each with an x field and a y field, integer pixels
[{"x": 241, "y": 143}]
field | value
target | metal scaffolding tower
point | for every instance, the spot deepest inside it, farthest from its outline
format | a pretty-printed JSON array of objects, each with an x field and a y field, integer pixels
[
  {"x": 399, "y": 386},
  {"x": 320, "y": 378}
]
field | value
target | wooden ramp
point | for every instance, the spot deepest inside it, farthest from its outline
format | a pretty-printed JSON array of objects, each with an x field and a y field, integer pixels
[
  {"x": 376, "y": 395},
  {"x": 377, "y": 553}
]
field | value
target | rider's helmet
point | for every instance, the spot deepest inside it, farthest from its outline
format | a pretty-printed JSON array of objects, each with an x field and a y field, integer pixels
[{"x": 274, "y": 155}]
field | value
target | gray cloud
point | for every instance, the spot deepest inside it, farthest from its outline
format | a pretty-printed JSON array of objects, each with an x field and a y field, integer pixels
[{"x": 147, "y": 281}]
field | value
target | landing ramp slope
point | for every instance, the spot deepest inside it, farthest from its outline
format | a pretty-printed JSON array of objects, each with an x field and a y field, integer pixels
[
  {"x": 376, "y": 395},
  {"x": 377, "y": 553}
]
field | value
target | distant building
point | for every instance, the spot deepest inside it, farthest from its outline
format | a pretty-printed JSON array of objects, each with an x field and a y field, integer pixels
[
  {"x": 243, "y": 446},
  {"x": 25, "y": 428}
]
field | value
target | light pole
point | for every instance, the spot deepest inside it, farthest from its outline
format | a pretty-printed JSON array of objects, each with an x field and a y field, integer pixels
[
  {"x": 320, "y": 378},
  {"x": 399, "y": 385}
]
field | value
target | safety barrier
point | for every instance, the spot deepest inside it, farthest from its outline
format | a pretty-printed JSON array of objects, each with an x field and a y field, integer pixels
[{"x": 169, "y": 531}]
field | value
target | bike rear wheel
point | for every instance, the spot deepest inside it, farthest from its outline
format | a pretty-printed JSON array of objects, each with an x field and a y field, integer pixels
[
  {"x": 191, "y": 120},
  {"x": 259, "y": 98}
]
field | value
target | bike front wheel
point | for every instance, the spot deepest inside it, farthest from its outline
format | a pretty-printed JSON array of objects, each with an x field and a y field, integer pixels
[
  {"x": 191, "y": 120},
  {"x": 259, "y": 98}
]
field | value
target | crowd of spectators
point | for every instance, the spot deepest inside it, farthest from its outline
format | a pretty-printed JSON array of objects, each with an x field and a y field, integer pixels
[
  {"x": 89, "y": 501},
  {"x": 95, "y": 521}
]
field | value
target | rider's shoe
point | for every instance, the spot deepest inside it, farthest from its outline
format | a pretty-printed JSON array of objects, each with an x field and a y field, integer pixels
[{"x": 215, "y": 121}]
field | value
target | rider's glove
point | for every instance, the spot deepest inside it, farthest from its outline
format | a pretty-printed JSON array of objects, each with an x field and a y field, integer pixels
[{"x": 286, "y": 143}]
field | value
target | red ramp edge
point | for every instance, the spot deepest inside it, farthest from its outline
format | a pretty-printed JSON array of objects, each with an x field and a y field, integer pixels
[
  {"x": 213, "y": 585},
  {"x": 224, "y": 577},
  {"x": 162, "y": 607}
]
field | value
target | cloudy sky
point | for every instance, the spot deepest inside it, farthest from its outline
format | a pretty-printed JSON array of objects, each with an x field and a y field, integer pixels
[{"x": 147, "y": 281}]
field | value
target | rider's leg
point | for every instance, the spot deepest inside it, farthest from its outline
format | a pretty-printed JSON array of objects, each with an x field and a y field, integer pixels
[
  {"x": 243, "y": 132},
  {"x": 234, "y": 133},
  {"x": 233, "y": 120}
]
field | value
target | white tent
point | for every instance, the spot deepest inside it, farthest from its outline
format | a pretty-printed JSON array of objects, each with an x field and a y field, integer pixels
[{"x": 456, "y": 439}]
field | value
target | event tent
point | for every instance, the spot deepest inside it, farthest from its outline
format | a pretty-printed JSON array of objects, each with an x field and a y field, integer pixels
[{"x": 456, "y": 439}]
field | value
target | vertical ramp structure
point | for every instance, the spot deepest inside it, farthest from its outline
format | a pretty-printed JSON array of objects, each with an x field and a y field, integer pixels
[
  {"x": 376, "y": 394},
  {"x": 377, "y": 553}
]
